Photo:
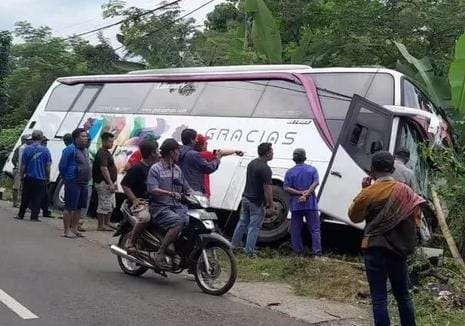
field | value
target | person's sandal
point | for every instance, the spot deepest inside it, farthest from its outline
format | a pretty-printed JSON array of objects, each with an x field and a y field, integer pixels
[
  {"x": 69, "y": 236},
  {"x": 79, "y": 235}
]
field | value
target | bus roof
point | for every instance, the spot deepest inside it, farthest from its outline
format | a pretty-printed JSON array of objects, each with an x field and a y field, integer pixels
[
  {"x": 177, "y": 74},
  {"x": 259, "y": 68},
  {"x": 222, "y": 69}
]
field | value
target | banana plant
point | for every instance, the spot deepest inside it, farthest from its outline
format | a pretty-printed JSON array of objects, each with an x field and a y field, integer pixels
[
  {"x": 436, "y": 87},
  {"x": 457, "y": 76},
  {"x": 262, "y": 31}
]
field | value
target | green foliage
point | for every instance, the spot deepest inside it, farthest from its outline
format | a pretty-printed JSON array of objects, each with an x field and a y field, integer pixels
[
  {"x": 263, "y": 30},
  {"x": 425, "y": 75},
  {"x": 160, "y": 39},
  {"x": 448, "y": 176},
  {"x": 5, "y": 48},
  {"x": 8, "y": 138},
  {"x": 457, "y": 76}
]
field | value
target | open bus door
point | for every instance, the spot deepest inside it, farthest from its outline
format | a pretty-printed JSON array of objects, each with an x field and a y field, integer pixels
[{"x": 367, "y": 129}]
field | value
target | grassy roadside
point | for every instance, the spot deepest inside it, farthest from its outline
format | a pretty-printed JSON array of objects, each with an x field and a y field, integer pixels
[{"x": 342, "y": 279}]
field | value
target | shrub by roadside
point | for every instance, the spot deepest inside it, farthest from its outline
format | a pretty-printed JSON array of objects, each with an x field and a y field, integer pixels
[{"x": 437, "y": 301}]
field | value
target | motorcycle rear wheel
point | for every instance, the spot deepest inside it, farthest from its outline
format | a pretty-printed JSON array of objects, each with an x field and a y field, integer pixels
[
  {"x": 129, "y": 267},
  {"x": 218, "y": 255}
]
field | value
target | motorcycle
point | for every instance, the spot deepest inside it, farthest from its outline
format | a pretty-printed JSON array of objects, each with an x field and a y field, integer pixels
[{"x": 200, "y": 249}]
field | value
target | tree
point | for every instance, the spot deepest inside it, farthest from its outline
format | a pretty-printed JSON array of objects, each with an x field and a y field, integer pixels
[
  {"x": 5, "y": 48},
  {"x": 262, "y": 32},
  {"x": 160, "y": 39}
]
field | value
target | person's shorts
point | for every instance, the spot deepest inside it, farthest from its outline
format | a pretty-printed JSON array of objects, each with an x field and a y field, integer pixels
[
  {"x": 76, "y": 196},
  {"x": 106, "y": 198},
  {"x": 168, "y": 218}
]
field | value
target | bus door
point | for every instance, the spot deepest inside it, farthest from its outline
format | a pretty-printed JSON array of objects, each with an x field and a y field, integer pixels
[
  {"x": 366, "y": 130},
  {"x": 75, "y": 114}
]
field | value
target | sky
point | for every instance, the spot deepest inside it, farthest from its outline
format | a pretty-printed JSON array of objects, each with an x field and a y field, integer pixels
[{"x": 67, "y": 17}]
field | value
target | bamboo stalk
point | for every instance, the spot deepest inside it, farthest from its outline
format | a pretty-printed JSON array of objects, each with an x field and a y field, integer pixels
[{"x": 446, "y": 231}]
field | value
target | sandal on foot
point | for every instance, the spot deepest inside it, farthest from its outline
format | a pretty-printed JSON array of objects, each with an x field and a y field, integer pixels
[{"x": 69, "y": 236}]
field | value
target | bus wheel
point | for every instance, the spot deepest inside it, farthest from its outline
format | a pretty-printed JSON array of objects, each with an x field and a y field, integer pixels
[
  {"x": 275, "y": 227},
  {"x": 59, "y": 195}
]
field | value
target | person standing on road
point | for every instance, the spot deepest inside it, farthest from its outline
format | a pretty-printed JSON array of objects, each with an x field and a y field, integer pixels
[
  {"x": 134, "y": 183},
  {"x": 76, "y": 172},
  {"x": 104, "y": 175},
  {"x": 192, "y": 164},
  {"x": 16, "y": 161},
  {"x": 202, "y": 146},
  {"x": 35, "y": 172},
  {"x": 46, "y": 200},
  {"x": 258, "y": 194},
  {"x": 300, "y": 182},
  {"x": 391, "y": 210}
]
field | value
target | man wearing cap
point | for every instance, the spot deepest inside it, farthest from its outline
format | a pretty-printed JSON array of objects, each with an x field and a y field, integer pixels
[
  {"x": 391, "y": 210},
  {"x": 165, "y": 186},
  {"x": 35, "y": 171},
  {"x": 300, "y": 183},
  {"x": 16, "y": 161}
]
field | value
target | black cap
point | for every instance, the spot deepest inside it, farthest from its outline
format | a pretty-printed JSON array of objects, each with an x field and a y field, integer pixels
[{"x": 382, "y": 162}]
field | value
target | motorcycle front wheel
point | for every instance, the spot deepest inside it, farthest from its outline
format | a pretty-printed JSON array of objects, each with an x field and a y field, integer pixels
[
  {"x": 126, "y": 265},
  {"x": 215, "y": 270}
]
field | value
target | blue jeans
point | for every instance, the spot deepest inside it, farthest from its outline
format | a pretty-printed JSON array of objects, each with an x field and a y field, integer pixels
[
  {"x": 381, "y": 265},
  {"x": 251, "y": 220},
  {"x": 313, "y": 226}
]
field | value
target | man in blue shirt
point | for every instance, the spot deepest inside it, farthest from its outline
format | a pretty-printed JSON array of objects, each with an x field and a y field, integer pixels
[
  {"x": 192, "y": 164},
  {"x": 35, "y": 172},
  {"x": 76, "y": 172},
  {"x": 300, "y": 182}
]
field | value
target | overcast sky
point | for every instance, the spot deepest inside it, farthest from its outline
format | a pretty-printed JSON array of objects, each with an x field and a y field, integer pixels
[{"x": 67, "y": 17}]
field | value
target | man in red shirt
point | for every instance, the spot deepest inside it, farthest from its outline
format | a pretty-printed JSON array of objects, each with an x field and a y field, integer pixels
[{"x": 202, "y": 146}]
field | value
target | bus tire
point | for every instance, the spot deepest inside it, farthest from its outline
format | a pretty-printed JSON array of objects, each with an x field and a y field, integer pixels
[
  {"x": 58, "y": 195},
  {"x": 275, "y": 228}
]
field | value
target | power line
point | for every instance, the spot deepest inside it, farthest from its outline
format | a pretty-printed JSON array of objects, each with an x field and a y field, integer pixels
[
  {"x": 126, "y": 19},
  {"x": 177, "y": 19}
]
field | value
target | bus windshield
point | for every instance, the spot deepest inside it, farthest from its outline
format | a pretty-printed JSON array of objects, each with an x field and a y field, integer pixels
[{"x": 335, "y": 90}]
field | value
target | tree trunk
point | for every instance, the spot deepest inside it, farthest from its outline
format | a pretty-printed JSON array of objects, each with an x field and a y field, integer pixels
[{"x": 446, "y": 232}]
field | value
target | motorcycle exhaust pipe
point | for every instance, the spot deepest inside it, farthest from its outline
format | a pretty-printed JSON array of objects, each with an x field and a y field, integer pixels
[{"x": 123, "y": 253}]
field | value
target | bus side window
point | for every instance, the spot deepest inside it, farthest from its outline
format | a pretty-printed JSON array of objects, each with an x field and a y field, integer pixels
[{"x": 368, "y": 133}]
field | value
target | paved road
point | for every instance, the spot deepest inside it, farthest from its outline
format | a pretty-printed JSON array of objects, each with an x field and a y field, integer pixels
[{"x": 70, "y": 282}]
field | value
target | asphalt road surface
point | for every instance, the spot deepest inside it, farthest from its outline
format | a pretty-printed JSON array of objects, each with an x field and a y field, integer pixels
[{"x": 47, "y": 280}]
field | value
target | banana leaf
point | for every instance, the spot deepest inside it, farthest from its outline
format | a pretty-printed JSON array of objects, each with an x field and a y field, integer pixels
[
  {"x": 425, "y": 75},
  {"x": 264, "y": 31},
  {"x": 457, "y": 76}
]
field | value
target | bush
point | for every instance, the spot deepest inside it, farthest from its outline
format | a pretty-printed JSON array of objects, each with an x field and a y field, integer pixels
[{"x": 8, "y": 138}]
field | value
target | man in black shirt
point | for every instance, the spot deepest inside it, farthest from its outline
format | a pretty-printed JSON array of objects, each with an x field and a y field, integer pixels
[
  {"x": 258, "y": 194},
  {"x": 134, "y": 183},
  {"x": 104, "y": 175}
]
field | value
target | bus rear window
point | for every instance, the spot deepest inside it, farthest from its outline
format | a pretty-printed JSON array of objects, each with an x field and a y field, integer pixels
[{"x": 62, "y": 97}]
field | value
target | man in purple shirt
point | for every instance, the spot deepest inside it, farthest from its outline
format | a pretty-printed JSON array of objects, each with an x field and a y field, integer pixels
[{"x": 300, "y": 182}]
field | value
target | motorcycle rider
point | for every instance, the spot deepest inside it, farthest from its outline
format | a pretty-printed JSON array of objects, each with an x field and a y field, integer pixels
[
  {"x": 192, "y": 164},
  {"x": 133, "y": 183},
  {"x": 166, "y": 185}
]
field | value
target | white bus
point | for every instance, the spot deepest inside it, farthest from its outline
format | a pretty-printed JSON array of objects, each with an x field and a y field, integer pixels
[{"x": 340, "y": 116}]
